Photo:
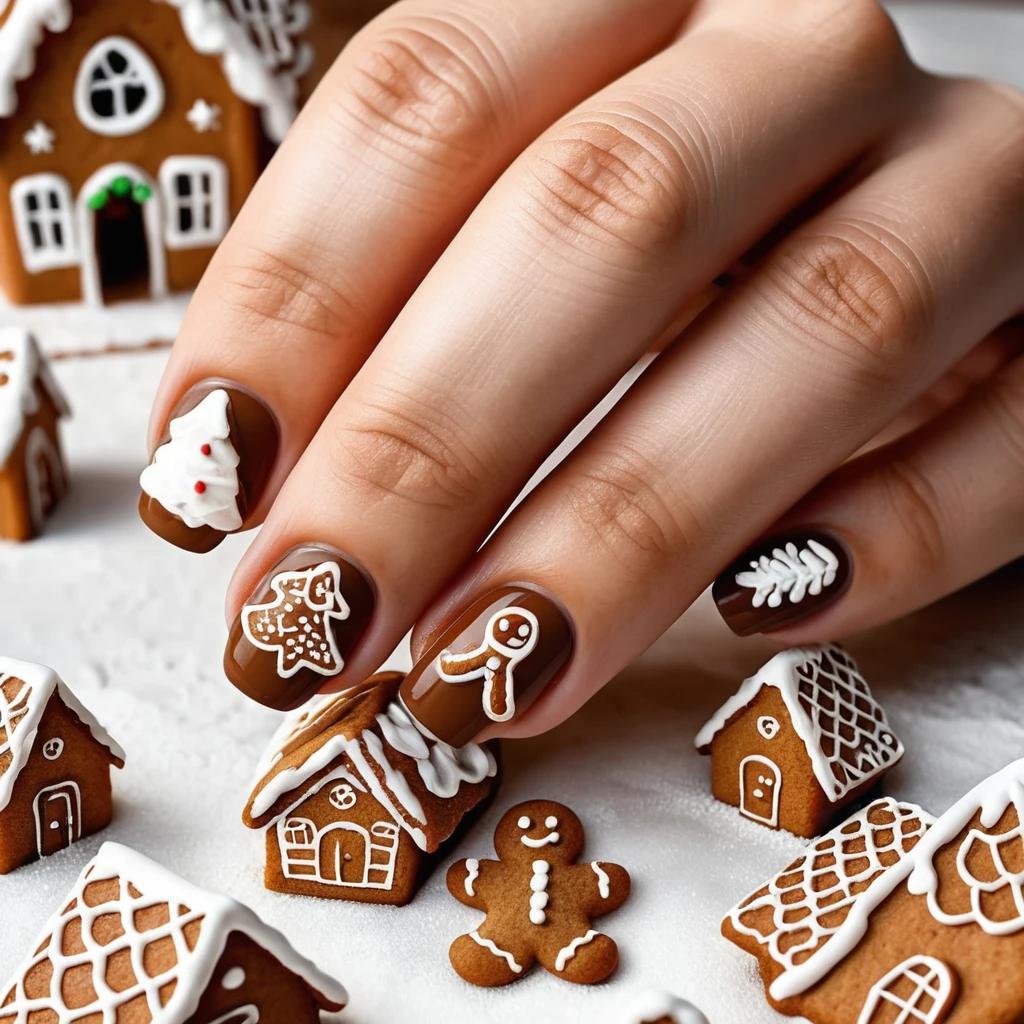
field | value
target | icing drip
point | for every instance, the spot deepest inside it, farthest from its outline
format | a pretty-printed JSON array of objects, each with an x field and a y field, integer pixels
[
  {"x": 194, "y": 475},
  {"x": 539, "y": 891},
  {"x": 22, "y": 33},
  {"x": 568, "y": 952},
  {"x": 603, "y": 881},
  {"x": 489, "y": 945},
  {"x": 472, "y": 874}
]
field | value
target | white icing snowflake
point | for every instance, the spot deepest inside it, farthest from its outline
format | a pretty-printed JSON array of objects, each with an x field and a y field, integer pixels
[
  {"x": 40, "y": 138},
  {"x": 204, "y": 117}
]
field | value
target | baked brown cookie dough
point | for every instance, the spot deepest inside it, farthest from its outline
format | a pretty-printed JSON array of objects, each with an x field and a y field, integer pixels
[
  {"x": 659, "y": 1007},
  {"x": 539, "y": 901}
]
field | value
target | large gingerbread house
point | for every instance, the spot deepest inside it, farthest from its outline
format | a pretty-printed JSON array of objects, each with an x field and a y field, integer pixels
[
  {"x": 357, "y": 801},
  {"x": 134, "y": 943},
  {"x": 32, "y": 472},
  {"x": 55, "y": 762},
  {"x": 131, "y": 134},
  {"x": 893, "y": 918},
  {"x": 800, "y": 740}
]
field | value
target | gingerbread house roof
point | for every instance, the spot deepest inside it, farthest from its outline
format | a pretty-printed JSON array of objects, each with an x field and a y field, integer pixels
[
  {"x": 210, "y": 28},
  {"x": 657, "y": 1005},
  {"x": 124, "y": 912},
  {"x": 843, "y": 727},
  {"x": 366, "y": 731},
  {"x": 25, "y": 691},
  {"x": 23, "y": 371}
]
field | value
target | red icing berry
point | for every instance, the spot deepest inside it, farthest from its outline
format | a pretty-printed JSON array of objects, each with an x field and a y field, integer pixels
[
  {"x": 200, "y": 487},
  {"x": 206, "y": 449}
]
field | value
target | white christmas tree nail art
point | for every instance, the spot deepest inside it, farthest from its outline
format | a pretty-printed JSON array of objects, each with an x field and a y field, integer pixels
[
  {"x": 195, "y": 474},
  {"x": 791, "y": 571},
  {"x": 297, "y": 624}
]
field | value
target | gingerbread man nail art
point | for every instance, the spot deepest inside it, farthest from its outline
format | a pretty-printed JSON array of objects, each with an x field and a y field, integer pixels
[
  {"x": 539, "y": 900},
  {"x": 511, "y": 636}
]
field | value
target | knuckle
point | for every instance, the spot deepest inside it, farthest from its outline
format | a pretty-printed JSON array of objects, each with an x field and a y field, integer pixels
[
  {"x": 622, "y": 183},
  {"x": 851, "y": 298},
  {"x": 915, "y": 505},
  {"x": 413, "y": 452},
  {"x": 863, "y": 33},
  {"x": 617, "y": 503},
  {"x": 428, "y": 86},
  {"x": 269, "y": 291}
]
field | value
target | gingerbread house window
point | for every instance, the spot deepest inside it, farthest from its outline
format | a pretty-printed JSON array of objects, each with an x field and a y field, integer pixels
[
  {"x": 118, "y": 90},
  {"x": 273, "y": 26},
  {"x": 196, "y": 197},
  {"x": 42, "y": 216}
]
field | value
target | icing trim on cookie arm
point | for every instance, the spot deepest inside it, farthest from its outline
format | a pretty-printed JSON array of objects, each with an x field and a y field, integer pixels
[
  {"x": 466, "y": 879},
  {"x": 607, "y": 886}
]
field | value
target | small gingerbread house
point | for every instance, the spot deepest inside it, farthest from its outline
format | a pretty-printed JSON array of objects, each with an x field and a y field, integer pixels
[
  {"x": 32, "y": 473},
  {"x": 659, "y": 1007},
  {"x": 801, "y": 740},
  {"x": 893, "y": 918},
  {"x": 55, "y": 761},
  {"x": 134, "y": 943},
  {"x": 131, "y": 135},
  {"x": 357, "y": 801}
]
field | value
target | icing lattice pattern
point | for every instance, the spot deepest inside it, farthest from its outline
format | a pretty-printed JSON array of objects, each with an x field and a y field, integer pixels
[
  {"x": 15, "y": 703},
  {"x": 800, "y": 910},
  {"x": 111, "y": 951}
]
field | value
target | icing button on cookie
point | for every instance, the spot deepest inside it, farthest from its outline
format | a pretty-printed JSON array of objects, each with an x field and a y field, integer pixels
[
  {"x": 783, "y": 580},
  {"x": 490, "y": 664},
  {"x": 539, "y": 909},
  {"x": 297, "y": 630},
  {"x": 210, "y": 467}
]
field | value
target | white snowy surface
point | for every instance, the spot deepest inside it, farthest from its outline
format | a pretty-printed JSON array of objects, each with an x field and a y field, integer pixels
[{"x": 136, "y": 627}]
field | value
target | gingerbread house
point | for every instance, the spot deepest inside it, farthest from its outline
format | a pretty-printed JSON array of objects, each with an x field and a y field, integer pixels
[
  {"x": 135, "y": 943},
  {"x": 55, "y": 762},
  {"x": 132, "y": 133},
  {"x": 357, "y": 801},
  {"x": 894, "y": 918},
  {"x": 800, "y": 741},
  {"x": 32, "y": 473},
  {"x": 659, "y": 1007}
]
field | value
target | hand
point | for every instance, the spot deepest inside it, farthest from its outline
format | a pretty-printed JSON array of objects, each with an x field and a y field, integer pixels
[{"x": 481, "y": 221}]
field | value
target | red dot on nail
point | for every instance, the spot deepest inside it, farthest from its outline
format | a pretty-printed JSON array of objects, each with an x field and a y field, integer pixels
[
  {"x": 206, "y": 449},
  {"x": 200, "y": 487}
]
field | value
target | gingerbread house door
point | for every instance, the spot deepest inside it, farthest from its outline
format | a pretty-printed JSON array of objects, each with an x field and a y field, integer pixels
[
  {"x": 760, "y": 789},
  {"x": 343, "y": 854},
  {"x": 58, "y": 812},
  {"x": 922, "y": 990}
]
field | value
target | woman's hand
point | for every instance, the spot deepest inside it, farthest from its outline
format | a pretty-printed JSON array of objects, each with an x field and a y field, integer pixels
[{"x": 486, "y": 214}]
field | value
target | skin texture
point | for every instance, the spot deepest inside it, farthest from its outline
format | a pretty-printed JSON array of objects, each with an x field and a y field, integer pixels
[{"x": 559, "y": 191}]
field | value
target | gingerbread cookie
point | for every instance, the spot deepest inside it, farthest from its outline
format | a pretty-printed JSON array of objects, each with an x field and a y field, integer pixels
[
  {"x": 657, "y": 1007},
  {"x": 538, "y": 900}
]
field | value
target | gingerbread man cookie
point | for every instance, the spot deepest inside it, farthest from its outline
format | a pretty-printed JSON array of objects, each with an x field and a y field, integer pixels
[
  {"x": 510, "y": 636},
  {"x": 538, "y": 900}
]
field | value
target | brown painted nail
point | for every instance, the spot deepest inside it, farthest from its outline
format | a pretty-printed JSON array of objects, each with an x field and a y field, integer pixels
[
  {"x": 489, "y": 664},
  {"x": 782, "y": 580},
  {"x": 210, "y": 467},
  {"x": 302, "y": 622}
]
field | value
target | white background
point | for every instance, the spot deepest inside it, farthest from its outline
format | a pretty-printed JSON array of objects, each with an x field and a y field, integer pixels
[{"x": 137, "y": 629}]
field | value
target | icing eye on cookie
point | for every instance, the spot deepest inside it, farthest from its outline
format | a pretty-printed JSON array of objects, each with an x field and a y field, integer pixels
[{"x": 551, "y": 838}]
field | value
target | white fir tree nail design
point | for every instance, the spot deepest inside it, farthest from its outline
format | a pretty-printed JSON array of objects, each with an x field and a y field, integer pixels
[{"x": 790, "y": 571}]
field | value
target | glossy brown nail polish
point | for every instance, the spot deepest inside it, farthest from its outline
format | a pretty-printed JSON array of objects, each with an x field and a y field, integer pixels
[
  {"x": 210, "y": 466},
  {"x": 296, "y": 631},
  {"x": 489, "y": 665},
  {"x": 783, "y": 579}
]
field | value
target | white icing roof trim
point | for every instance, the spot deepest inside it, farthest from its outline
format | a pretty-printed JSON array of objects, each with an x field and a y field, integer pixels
[
  {"x": 992, "y": 797},
  {"x": 221, "y": 916},
  {"x": 18, "y": 397},
  {"x": 43, "y": 682},
  {"x": 781, "y": 672},
  {"x": 210, "y": 29},
  {"x": 655, "y": 1004}
]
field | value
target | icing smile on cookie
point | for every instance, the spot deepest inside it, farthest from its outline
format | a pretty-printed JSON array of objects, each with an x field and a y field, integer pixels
[{"x": 550, "y": 839}]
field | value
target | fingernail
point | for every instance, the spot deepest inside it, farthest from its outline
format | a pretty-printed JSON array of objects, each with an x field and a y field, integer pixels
[
  {"x": 783, "y": 579},
  {"x": 210, "y": 467},
  {"x": 489, "y": 665},
  {"x": 299, "y": 627}
]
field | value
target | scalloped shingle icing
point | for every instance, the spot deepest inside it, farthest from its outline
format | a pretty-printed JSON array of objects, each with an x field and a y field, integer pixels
[{"x": 844, "y": 729}]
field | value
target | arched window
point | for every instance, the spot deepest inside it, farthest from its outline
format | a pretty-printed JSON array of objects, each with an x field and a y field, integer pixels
[
  {"x": 195, "y": 192},
  {"x": 41, "y": 204},
  {"x": 118, "y": 90}
]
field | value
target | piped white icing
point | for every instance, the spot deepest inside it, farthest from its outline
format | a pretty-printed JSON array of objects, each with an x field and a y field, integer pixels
[
  {"x": 790, "y": 573},
  {"x": 20, "y": 36},
  {"x": 200, "y": 489},
  {"x": 488, "y": 944},
  {"x": 472, "y": 874},
  {"x": 568, "y": 952},
  {"x": 539, "y": 891},
  {"x": 655, "y": 1004},
  {"x": 603, "y": 881}
]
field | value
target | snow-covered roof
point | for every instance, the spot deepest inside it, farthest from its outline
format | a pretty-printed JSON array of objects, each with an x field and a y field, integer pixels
[
  {"x": 210, "y": 28},
  {"x": 844, "y": 729},
  {"x": 21, "y": 368},
  {"x": 134, "y": 903},
  {"x": 366, "y": 731},
  {"x": 25, "y": 691}
]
